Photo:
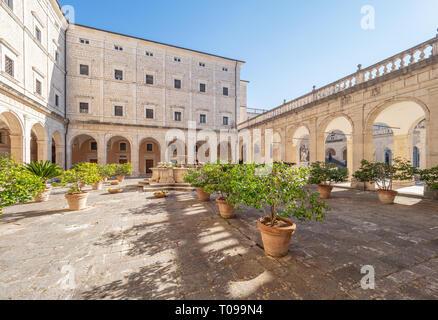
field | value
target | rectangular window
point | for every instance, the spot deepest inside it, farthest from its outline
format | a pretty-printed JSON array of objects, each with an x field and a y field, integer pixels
[
  {"x": 178, "y": 116},
  {"x": 93, "y": 146},
  {"x": 118, "y": 48},
  {"x": 225, "y": 91},
  {"x": 149, "y": 113},
  {"x": 56, "y": 100},
  {"x": 225, "y": 121},
  {"x": 9, "y": 66},
  {"x": 201, "y": 64},
  {"x": 38, "y": 87},
  {"x": 123, "y": 146},
  {"x": 149, "y": 79},
  {"x": 149, "y": 147},
  {"x": 38, "y": 34},
  {"x": 9, "y": 3},
  {"x": 177, "y": 84},
  {"x": 83, "y": 107},
  {"x": 202, "y": 87},
  {"x": 118, "y": 111},
  {"x": 149, "y": 54},
  {"x": 118, "y": 74},
  {"x": 84, "y": 70},
  {"x": 84, "y": 41},
  {"x": 176, "y": 59},
  {"x": 203, "y": 118},
  {"x": 225, "y": 69},
  {"x": 57, "y": 56}
]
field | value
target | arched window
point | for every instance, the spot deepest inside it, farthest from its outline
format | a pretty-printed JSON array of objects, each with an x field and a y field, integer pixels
[
  {"x": 416, "y": 157},
  {"x": 388, "y": 156}
]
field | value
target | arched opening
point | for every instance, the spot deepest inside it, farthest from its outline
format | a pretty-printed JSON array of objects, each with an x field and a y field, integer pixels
[
  {"x": 57, "y": 149},
  {"x": 299, "y": 152},
  {"x": 149, "y": 155},
  {"x": 177, "y": 152},
  {"x": 337, "y": 137},
  {"x": 11, "y": 136},
  {"x": 224, "y": 151},
  {"x": 38, "y": 143},
  {"x": 118, "y": 150},
  {"x": 202, "y": 152},
  {"x": 84, "y": 149},
  {"x": 336, "y": 150},
  {"x": 398, "y": 128}
]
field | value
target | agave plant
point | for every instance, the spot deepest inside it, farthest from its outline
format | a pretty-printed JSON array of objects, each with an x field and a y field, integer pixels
[{"x": 45, "y": 170}]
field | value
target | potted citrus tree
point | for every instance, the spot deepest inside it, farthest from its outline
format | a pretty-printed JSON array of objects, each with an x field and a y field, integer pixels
[
  {"x": 17, "y": 184},
  {"x": 107, "y": 171},
  {"x": 46, "y": 171},
  {"x": 383, "y": 176},
  {"x": 282, "y": 191},
  {"x": 325, "y": 175},
  {"x": 198, "y": 179},
  {"x": 81, "y": 175},
  {"x": 221, "y": 181},
  {"x": 430, "y": 178},
  {"x": 123, "y": 170}
]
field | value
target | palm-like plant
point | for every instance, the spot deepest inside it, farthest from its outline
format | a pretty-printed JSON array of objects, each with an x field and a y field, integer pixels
[{"x": 45, "y": 170}]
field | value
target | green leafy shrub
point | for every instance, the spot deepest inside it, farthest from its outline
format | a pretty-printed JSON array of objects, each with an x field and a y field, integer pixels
[
  {"x": 384, "y": 174},
  {"x": 45, "y": 170},
  {"x": 430, "y": 177},
  {"x": 81, "y": 175},
  {"x": 198, "y": 178},
  {"x": 107, "y": 171},
  {"x": 220, "y": 179},
  {"x": 327, "y": 174},
  {"x": 17, "y": 184},
  {"x": 124, "y": 169},
  {"x": 282, "y": 188}
]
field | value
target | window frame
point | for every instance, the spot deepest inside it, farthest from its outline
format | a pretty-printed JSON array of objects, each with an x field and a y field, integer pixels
[
  {"x": 91, "y": 145},
  {"x": 151, "y": 76},
  {"x": 225, "y": 91},
  {"x": 115, "y": 74},
  {"x": 12, "y": 65},
  {"x": 175, "y": 81},
  {"x": 175, "y": 118},
  {"x": 80, "y": 69},
  {"x": 225, "y": 123},
  {"x": 202, "y": 87},
  {"x": 83, "y": 104},
  {"x": 120, "y": 146},
  {"x": 115, "y": 111},
  {"x": 146, "y": 113},
  {"x": 202, "y": 116},
  {"x": 38, "y": 87},
  {"x": 38, "y": 34}
]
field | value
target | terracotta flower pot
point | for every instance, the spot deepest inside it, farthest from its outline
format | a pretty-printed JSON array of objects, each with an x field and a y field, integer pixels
[
  {"x": 77, "y": 201},
  {"x": 115, "y": 191},
  {"x": 44, "y": 196},
  {"x": 115, "y": 183},
  {"x": 120, "y": 178},
  {"x": 387, "y": 196},
  {"x": 226, "y": 210},
  {"x": 161, "y": 195},
  {"x": 276, "y": 240},
  {"x": 98, "y": 185},
  {"x": 325, "y": 191},
  {"x": 203, "y": 196}
]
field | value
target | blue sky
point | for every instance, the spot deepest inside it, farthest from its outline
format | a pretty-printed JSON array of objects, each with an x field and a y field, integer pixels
[{"x": 288, "y": 45}]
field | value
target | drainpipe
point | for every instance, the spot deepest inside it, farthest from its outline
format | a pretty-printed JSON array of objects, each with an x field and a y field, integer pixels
[{"x": 66, "y": 121}]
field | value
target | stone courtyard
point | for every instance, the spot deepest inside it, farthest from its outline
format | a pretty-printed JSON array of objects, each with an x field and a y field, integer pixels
[{"x": 133, "y": 246}]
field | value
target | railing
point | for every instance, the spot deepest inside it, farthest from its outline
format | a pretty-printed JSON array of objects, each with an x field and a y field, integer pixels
[
  {"x": 399, "y": 61},
  {"x": 255, "y": 111}
]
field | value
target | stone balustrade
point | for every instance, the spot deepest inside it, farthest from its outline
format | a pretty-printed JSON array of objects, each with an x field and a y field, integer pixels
[{"x": 397, "y": 62}]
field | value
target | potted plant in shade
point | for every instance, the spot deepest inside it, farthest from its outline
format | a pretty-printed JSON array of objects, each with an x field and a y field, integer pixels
[
  {"x": 325, "y": 175},
  {"x": 198, "y": 179},
  {"x": 46, "y": 171},
  {"x": 430, "y": 178},
  {"x": 383, "y": 176},
  {"x": 81, "y": 175},
  {"x": 282, "y": 192},
  {"x": 123, "y": 170},
  {"x": 115, "y": 190},
  {"x": 17, "y": 184},
  {"x": 221, "y": 181}
]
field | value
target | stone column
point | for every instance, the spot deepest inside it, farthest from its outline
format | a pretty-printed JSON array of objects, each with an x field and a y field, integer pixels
[
  {"x": 43, "y": 146},
  {"x": 17, "y": 142},
  {"x": 401, "y": 147},
  {"x": 135, "y": 157},
  {"x": 101, "y": 150}
]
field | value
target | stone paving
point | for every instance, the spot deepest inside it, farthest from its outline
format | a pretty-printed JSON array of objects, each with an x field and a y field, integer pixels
[{"x": 133, "y": 246}]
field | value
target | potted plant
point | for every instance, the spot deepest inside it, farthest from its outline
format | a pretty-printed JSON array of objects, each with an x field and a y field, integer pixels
[
  {"x": 115, "y": 190},
  {"x": 430, "y": 178},
  {"x": 161, "y": 194},
  {"x": 123, "y": 170},
  {"x": 17, "y": 184},
  {"x": 107, "y": 171},
  {"x": 114, "y": 183},
  {"x": 220, "y": 181},
  {"x": 282, "y": 192},
  {"x": 77, "y": 178},
  {"x": 198, "y": 179},
  {"x": 383, "y": 176},
  {"x": 46, "y": 171},
  {"x": 325, "y": 175}
]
